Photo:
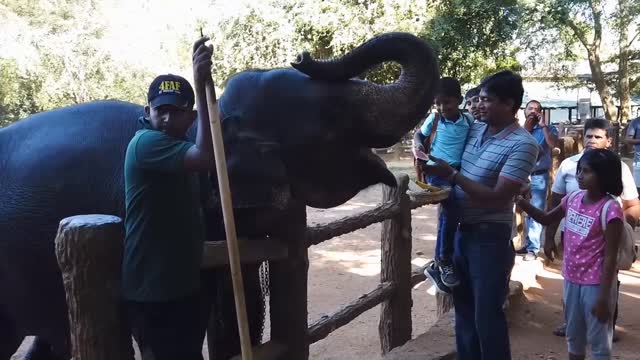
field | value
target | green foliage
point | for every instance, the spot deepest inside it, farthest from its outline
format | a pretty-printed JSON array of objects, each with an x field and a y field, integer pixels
[
  {"x": 18, "y": 93},
  {"x": 70, "y": 67},
  {"x": 271, "y": 33},
  {"x": 568, "y": 30},
  {"x": 473, "y": 37}
]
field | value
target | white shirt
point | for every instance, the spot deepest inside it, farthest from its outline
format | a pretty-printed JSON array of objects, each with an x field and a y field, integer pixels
[{"x": 566, "y": 183}]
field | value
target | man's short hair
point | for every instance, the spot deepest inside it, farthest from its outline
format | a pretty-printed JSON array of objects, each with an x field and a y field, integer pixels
[
  {"x": 473, "y": 92},
  {"x": 505, "y": 85},
  {"x": 448, "y": 86},
  {"x": 533, "y": 101},
  {"x": 598, "y": 123}
]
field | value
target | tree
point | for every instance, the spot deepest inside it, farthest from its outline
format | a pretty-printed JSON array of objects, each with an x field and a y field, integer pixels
[
  {"x": 563, "y": 27},
  {"x": 268, "y": 34},
  {"x": 70, "y": 66},
  {"x": 18, "y": 96},
  {"x": 474, "y": 37},
  {"x": 626, "y": 14}
]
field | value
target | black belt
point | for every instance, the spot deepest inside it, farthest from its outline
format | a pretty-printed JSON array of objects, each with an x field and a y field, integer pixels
[{"x": 539, "y": 172}]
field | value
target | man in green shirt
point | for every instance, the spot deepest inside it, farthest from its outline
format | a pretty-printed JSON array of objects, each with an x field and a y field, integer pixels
[{"x": 164, "y": 226}]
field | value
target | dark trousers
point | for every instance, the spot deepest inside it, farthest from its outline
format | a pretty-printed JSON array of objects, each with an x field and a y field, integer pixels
[
  {"x": 484, "y": 257},
  {"x": 170, "y": 330}
]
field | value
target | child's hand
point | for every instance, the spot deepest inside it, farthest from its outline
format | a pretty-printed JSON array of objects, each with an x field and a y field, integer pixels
[
  {"x": 601, "y": 310},
  {"x": 202, "y": 61}
]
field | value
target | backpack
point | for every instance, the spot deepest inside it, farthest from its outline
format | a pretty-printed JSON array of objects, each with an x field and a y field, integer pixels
[
  {"x": 432, "y": 135},
  {"x": 626, "y": 251}
]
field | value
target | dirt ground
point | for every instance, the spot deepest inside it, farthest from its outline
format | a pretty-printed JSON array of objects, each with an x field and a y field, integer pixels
[
  {"x": 344, "y": 268},
  {"x": 536, "y": 314}
]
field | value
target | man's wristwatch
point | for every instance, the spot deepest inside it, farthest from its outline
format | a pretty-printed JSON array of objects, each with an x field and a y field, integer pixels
[{"x": 452, "y": 176}]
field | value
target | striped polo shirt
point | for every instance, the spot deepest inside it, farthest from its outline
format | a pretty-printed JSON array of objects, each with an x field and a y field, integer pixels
[{"x": 511, "y": 154}]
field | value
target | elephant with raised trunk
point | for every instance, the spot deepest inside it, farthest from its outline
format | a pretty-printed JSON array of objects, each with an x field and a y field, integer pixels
[{"x": 302, "y": 133}]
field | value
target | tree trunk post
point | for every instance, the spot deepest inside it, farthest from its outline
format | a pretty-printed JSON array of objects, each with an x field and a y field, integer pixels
[
  {"x": 89, "y": 251},
  {"x": 395, "y": 316},
  {"x": 288, "y": 286}
]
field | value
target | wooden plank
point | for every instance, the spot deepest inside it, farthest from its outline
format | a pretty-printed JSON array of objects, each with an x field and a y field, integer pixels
[
  {"x": 270, "y": 350},
  {"x": 395, "y": 314},
  {"x": 288, "y": 290},
  {"x": 418, "y": 276},
  {"x": 329, "y": 323},
  {"x": 254, "y": 250},
  {"x": 319, "y": 233}
]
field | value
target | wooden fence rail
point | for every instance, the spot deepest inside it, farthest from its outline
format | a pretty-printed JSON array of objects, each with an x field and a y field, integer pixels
[{"x": 287, "y": 253}]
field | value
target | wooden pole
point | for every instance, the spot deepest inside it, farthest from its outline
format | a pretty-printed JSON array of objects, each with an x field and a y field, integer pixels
[
  {"x": 395, "y": 314},
  {"x": 89, "y": 251},
  {"x": 288, "y": 286},
  {"x": 229, "y": 222}
]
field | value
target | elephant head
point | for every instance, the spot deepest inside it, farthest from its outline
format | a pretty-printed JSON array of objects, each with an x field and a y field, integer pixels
[{"x": 308, "y": 131}]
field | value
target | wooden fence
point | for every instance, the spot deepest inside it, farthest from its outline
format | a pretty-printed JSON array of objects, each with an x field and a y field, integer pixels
[{"x": 89, "y": 251}]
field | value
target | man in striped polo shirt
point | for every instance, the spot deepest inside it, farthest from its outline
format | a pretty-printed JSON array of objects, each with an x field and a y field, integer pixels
[{"x": 498, "y": 158}]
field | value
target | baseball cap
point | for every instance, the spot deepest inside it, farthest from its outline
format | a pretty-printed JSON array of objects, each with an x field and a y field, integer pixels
[{"x": 171, "y": 89}]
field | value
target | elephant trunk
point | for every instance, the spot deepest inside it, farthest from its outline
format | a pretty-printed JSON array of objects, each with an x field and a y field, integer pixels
[{"x": 379, "y": 115}]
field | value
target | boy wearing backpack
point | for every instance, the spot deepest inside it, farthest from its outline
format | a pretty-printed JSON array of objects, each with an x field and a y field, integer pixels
[{"x": 443, "y": 135}]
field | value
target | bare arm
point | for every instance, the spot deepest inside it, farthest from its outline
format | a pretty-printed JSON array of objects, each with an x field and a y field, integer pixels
[
  {"x": 629, "y": 140},
  {"x": 631, "y": 210},
  {"x": 550, "y": 137},
  {"x": 418, "y": 140},
  {"x": 552, "y": 227},
  {"x": 200, "y": 157},
  {"x": 612, "y": 235},
  {"x": 543, "y": 217}
]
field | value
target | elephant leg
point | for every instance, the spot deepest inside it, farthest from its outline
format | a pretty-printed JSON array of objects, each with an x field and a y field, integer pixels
[{"x": 223, "y": 336}]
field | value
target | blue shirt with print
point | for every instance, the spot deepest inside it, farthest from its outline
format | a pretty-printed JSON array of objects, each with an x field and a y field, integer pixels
[
  {"x": 450, "y": 137},
  {"x": 544, "y": 153}
]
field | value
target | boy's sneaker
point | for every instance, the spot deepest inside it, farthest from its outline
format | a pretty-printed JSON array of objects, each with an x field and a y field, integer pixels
[
  {"x": 448, "y": 275},
  {"x": 433, "y": 273}
]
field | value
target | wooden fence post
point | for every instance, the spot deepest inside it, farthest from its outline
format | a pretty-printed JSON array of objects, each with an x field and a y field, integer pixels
[
  {"x": 395, "y": 315},
  {"x": 288, "y": 286},
  {"x": 89, "y": 251}
]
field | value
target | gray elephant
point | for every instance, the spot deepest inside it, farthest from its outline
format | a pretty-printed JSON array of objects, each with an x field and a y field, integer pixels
[{"x": 303, "y": 133}]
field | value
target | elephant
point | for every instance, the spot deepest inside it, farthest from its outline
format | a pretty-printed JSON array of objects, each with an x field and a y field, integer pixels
[{"x": 302, "y": 134}]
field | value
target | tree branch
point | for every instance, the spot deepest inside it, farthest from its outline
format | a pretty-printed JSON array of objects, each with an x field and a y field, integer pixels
[
  {"x": 633, "y": 39},
  {"x": 597, "y": 22},
  {"x": 578, "y": 33}
]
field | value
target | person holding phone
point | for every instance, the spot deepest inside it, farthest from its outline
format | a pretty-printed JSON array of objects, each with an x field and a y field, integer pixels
[{"x": 547, "y": 137}]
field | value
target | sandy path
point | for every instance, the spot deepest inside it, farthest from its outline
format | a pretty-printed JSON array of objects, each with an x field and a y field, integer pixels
[{"x": 348, "y": 266}]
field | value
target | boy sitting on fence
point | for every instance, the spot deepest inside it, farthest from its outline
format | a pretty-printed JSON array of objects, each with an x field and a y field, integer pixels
[{"x": 443, "y": 135}]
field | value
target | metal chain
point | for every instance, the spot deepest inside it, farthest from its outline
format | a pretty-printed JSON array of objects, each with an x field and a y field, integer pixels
[{"x": 264, "y": 287}]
